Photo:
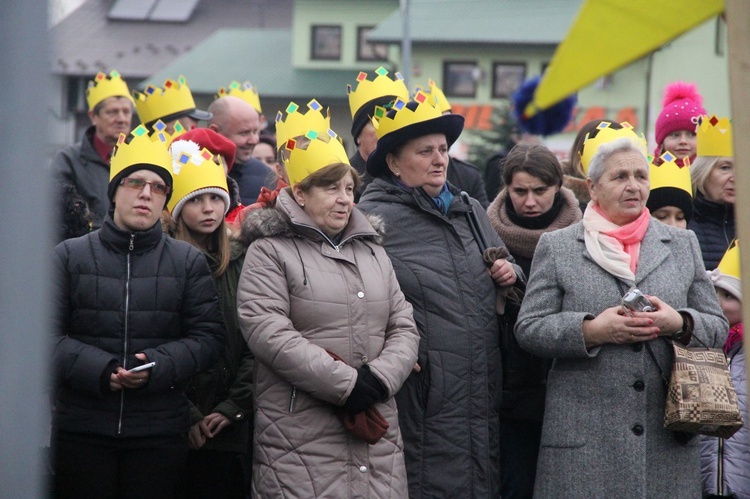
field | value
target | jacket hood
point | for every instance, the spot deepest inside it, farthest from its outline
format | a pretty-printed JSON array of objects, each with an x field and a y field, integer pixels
[{"x": 288, "y": 219}]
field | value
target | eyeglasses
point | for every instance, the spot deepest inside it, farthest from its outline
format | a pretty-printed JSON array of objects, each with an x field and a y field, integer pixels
[{"x": 140, "y": 184}]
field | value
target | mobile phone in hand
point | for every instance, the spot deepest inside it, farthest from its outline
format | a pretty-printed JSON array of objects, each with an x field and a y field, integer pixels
[{"x": 142, "y": 367}]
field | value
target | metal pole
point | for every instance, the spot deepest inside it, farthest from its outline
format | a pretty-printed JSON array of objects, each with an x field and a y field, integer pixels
[
  {"x": 405, "y": 44},
  {"x": 738, "y": 39},
  {"x": 26, "y": 250}
]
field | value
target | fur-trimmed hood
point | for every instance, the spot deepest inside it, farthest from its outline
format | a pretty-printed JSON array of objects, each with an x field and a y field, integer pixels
[{"x": 288, "y": 219}]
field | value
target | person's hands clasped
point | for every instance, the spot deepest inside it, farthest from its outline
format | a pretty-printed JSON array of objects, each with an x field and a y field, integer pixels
[
  {"x": 666, "y": 319},
  {"x": 613, "y": 325},
  {"x": 366, "y": 393},
  {"x": 503, "y": 273},
  {"x": 208, "y": 427},
  {"x": 122, "y": 378}
]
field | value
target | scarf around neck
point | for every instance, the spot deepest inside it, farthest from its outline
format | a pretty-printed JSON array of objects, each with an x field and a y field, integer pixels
[
  {"x": 517, "y": 232},
  {"x": 615, "y": 248}
]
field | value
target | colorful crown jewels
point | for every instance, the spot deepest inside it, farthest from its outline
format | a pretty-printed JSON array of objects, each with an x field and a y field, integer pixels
[
  {"x": 194, "y": 168},
  {"x": 106, "y": 85},
  {"x": 436, "y": 96},
  {"x": 714, "y": 137},
  {"x": 607, "y": 134},
  {"x": 143, "y": 148},
  {"x": 322, "y": 149},
  {"x": 297, "y": 123},
  {"x": 669, "y": 174},
  {"x": 382, "y": 85},
  {"x": 159, "y": 102},
  {"x": 730, "y": 262},
  {"x": 385, "y": 122},
  {"x": 244, "y": 91}
]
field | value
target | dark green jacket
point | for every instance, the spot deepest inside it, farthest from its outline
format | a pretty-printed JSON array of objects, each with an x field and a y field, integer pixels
[{"x": 227, "y": 388}]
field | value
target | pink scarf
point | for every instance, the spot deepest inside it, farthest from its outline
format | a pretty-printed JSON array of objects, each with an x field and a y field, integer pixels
[
  {"x": 735, "y": 336},
  {"x": 630, "y": 235},
  {"x": 615, "y": 248}
]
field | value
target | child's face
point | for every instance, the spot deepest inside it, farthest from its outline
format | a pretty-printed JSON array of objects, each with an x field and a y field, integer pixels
[
  {"x": 731, "y": 306},
  {"x": 681, "y": 143},
  {"x": 671, "y": 215}
]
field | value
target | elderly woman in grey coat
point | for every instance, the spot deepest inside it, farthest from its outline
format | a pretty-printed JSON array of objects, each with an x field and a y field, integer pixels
[{"x": 603, "y": 433}]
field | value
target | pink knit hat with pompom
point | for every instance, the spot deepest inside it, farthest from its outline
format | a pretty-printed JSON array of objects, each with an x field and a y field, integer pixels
[{"x": 681, "y": 107}]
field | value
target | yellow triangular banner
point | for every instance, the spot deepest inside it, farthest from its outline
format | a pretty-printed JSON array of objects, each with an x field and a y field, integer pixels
[{"x": 609, "y": 34}]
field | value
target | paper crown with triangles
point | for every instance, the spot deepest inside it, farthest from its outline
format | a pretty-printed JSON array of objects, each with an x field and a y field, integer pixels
[
  {"x": 144, "y": 148},
  {"x": 323, "y": 149},
  {"x": 160, "y": 102},
  {"x": 245, "y": 91},
  {"x": 385, "y": 122},
  {"x": 714, "y": 137},
  {"x": 436, "y": 96},
  {"x": 298, "y": 123},
  {"x": 730, "y": 262},
  {"x": 381, "y": 85},
  {"x": 195, "y": 171},
  {"x": 727, "y": 275},
  {"x": 106, "y": 85},
  {"x": 669, "y": 174},
  {"x": 605, "y": 134}
]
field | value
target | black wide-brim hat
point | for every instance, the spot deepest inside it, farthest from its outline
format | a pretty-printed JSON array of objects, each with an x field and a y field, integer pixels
[{"x": 450, "y": 125}]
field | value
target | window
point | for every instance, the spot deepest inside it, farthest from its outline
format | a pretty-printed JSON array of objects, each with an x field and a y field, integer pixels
[
  {"x": 367, "y": 51},
  {"x": 326, "y": 43},
  {"x": 506, "y": 78},
  {"x": 460, "y": 79}
]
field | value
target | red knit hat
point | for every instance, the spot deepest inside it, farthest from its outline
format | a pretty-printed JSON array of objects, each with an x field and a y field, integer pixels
[
  {"x": 214, "y": 142},
  {"x": 682, "y": 105}
]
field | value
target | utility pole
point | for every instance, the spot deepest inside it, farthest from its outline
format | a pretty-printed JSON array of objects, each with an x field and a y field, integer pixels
[{"x": 405, "y": 44}]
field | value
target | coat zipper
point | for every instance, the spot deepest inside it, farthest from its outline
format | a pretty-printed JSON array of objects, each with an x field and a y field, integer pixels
[
  {"x": 291, "y": 399},
  {"x": 125, "y": 336}
]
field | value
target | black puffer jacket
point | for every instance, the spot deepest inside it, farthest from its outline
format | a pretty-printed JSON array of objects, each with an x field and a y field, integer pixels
[
  {"x": 120, "y": 293},
  {"x": 447, "y": 411},
  {"x": 82, "y": 166},
  {"x": 713, "y": 224}
]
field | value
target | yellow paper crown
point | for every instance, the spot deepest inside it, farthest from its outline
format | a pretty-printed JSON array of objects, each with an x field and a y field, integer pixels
[
  {"x": 143, "y": 148},
  {"x": 194, "y": 168},
  {"x": 730, "y": 262},
  {"x": 323, "y": 149},
  {"x": 604, "y": 135},
  {"x": 380, "y": 86},
  {"x": 244, "y": 91},
  {"x": 403, "y": 113},
  {"x": 106, "y": 85},
  {"x": 297, "y": 123},
  {"x": 714, "y": 137},
  {"x": 669, "y": 174},
  {"x": 436, "y": 96},
  {"x": 158, "y": 102}
]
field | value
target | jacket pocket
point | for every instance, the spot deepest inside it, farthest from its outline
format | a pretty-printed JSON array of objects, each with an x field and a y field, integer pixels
[{"x": 433, "y": 385}]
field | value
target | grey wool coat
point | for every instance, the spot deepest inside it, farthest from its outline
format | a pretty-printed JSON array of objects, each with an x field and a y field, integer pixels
[
  {"x": 603, "y": 433},
  {"x": 447, "y": 411},
  {"x": 300, "y": 296}
]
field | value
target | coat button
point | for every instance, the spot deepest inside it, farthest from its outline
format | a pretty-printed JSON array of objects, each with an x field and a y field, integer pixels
[
  {"x": 637, "y": 430},
  {"x": 637, "y": 347},
  {"x": 639, "y": 386},
  {"x": 363, "y": 469},
  {"x": 360, "y": 295}
]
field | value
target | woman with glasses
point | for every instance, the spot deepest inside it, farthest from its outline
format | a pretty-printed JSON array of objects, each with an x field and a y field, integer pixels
[{"x": 136, "y": 318}]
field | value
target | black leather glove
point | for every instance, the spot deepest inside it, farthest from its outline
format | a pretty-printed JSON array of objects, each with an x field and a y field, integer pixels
[{"x": 368, "y": 391}]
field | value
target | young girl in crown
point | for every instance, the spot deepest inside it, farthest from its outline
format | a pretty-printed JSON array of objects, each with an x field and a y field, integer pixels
[
  {"x": 675, "y": 126},
  {"x": 221, "y": 398},
  {"x": 725, "y": 463}
]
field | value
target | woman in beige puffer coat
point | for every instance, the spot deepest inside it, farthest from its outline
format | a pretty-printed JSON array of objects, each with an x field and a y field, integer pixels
[{"x": 305, "y": 292}]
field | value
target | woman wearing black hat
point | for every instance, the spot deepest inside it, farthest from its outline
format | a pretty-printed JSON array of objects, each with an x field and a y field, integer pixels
[{"x": 448, "y": 406}]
